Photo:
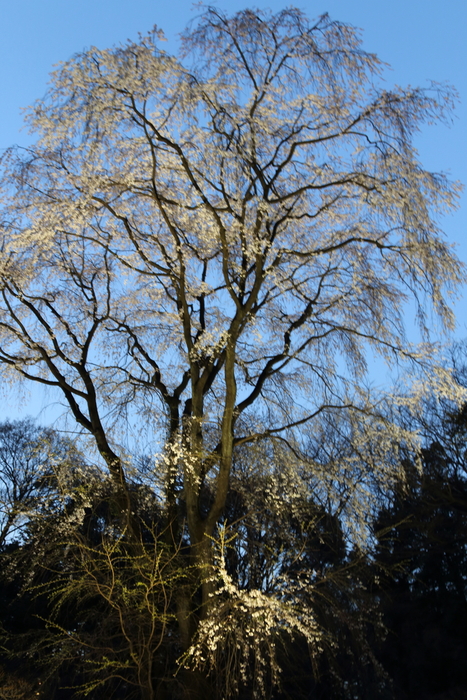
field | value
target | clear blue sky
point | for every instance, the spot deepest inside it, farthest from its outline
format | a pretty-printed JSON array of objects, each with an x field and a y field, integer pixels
[{"x": 420, "y": 40}]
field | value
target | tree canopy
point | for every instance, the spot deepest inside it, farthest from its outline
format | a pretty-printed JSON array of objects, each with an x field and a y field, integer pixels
[{"x": 209, "y": 246}]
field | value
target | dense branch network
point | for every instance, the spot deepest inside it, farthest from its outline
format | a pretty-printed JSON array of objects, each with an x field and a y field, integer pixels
[{"x": 221, "y": 240}]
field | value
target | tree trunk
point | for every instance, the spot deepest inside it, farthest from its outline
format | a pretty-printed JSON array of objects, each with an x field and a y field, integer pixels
[{"x": 196, "y": 685}]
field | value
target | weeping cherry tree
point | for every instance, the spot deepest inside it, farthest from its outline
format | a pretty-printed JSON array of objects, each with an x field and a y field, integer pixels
[{"x": 212, "y": 245}]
